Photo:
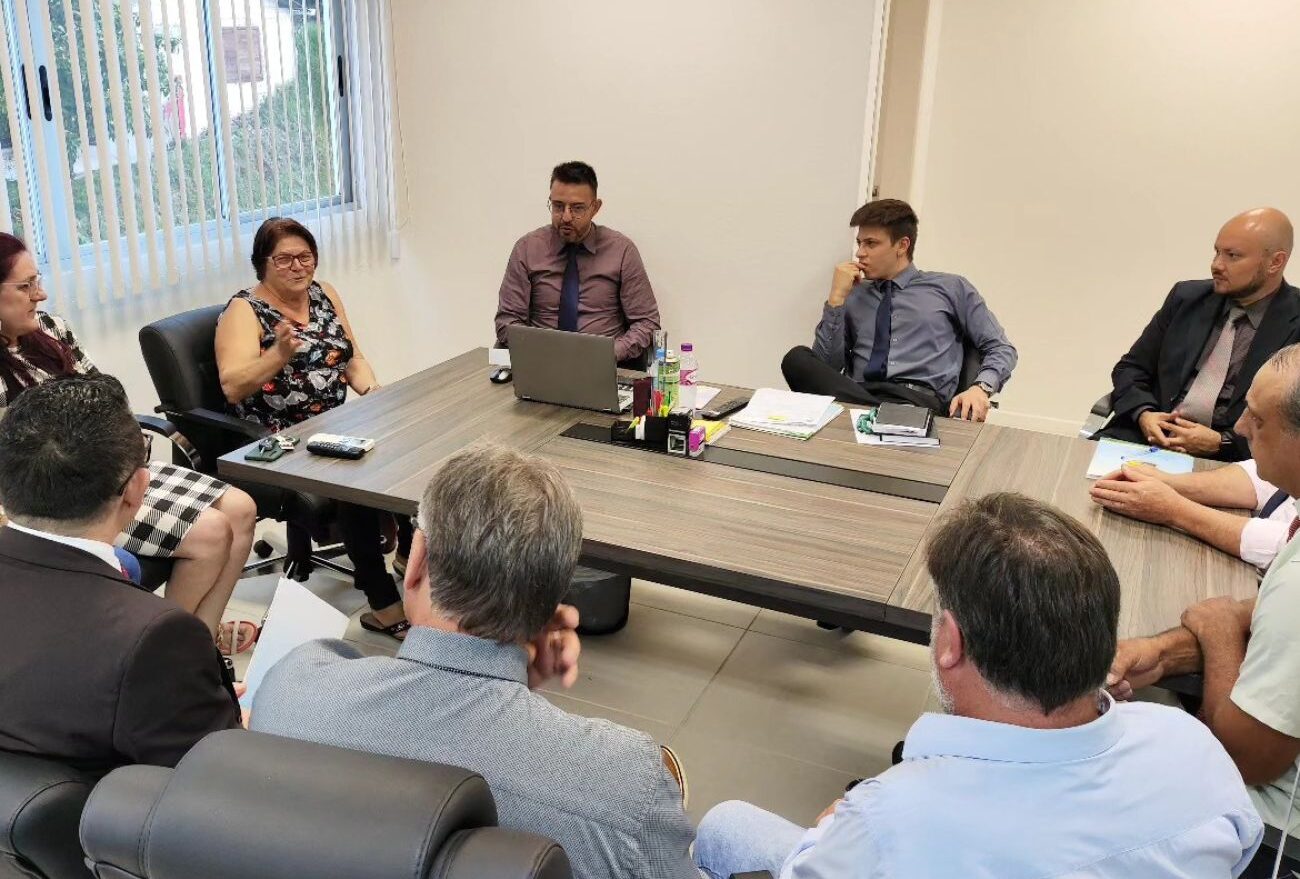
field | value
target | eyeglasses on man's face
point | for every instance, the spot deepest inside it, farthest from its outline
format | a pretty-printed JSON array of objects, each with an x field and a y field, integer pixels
[
  {"x": 577, "y": 211},
  {"x": 147, "y": 439},
  {"x": 31, "y": 285},
  {"x": 284, "y": 260}
]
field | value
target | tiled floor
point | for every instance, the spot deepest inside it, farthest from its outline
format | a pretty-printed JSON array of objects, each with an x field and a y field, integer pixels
[{"x": 759, "y": 705}]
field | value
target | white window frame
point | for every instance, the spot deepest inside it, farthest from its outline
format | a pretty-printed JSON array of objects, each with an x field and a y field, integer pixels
[{"x": 36, "y": 229}]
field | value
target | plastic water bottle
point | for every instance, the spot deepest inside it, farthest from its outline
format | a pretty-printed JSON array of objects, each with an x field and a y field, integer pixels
[
  {"x": 686, "y": 377},
  {"x": 660, "y": 355},
  {"x": 670, "y": 380}
]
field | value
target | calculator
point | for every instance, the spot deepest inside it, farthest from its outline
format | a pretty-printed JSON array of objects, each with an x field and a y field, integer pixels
[{"x": 333, "y": 445}]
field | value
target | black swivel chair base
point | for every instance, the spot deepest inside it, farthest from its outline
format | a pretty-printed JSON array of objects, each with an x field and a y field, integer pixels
[{"x": 602, "y": 599}]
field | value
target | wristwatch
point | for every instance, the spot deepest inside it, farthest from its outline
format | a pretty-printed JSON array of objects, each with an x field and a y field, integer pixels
[
  {"x": 985, "y": 387},
  {"x": 1225, "y": 439}
]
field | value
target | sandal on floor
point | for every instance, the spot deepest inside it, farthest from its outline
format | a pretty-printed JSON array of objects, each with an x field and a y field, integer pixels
[
  {"x": 248, "y": 635},
  {"x": 397, "y": 630}
]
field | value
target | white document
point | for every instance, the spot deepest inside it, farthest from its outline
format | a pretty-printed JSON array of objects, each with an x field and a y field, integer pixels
[
  {"x": 295, "y": 617},
  {"x": 795, "y": 431},
  {"x": 499, "y": 357},
  {"x": 704, "y": 395},
  {"x": 774, "y": 407}
]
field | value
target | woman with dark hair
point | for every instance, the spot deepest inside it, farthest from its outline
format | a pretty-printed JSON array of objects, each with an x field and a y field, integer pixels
[
  {"x": 286, "y": 352},
  {"x": 204, "y": 525}
]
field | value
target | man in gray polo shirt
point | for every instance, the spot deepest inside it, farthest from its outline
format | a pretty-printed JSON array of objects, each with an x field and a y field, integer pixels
[{"x": 500, "y": 533}]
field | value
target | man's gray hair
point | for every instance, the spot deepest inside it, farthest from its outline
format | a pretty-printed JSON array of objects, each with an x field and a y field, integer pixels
[
  {"x": 504, "y": 532},
  {"x": 1287, "y": 362}
]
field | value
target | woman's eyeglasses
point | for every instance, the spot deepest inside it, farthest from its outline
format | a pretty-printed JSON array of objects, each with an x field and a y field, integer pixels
[
  {"x": 36, "y": 282},
  {"x": 284, "y": 260}
]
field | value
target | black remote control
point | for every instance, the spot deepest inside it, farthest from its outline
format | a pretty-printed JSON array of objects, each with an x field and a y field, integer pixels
[
  {"x": 335, "y": 450},
  {"x": 717, "y": 413},
  {"x": 333, "y": 446}
]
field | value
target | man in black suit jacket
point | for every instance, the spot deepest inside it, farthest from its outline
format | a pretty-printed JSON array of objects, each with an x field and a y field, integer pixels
[
  {"x": 94, "y": 672},
  {"x": 1183, "y": 384}
]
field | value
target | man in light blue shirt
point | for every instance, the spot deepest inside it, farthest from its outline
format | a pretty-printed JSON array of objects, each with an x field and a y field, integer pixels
[
  {"x": 1032, "y": 770},
  {"x": 892, "y": 333}
]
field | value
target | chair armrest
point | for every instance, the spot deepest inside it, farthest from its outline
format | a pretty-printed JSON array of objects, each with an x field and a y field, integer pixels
[
  {"x": 1102, "y": 406},
  {"x": 220, "y": 421},
  {"x": 181, "y": 446}
]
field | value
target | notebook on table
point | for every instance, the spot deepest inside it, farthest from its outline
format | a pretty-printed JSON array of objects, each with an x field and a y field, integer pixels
[
  {"x": 902, "y": 419},
  {"x": 864, "y": 432}
]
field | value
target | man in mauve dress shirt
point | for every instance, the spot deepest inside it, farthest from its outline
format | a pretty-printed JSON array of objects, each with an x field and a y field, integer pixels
[
  {"x": 892, "y": 333},
  {"x": 574, "y": 275}
]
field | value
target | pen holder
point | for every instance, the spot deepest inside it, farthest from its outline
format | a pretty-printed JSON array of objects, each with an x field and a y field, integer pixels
[{"x": 670, "y": 434}]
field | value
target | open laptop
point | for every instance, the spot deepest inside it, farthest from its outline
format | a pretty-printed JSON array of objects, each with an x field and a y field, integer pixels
[{"x": 567, "y": 369}]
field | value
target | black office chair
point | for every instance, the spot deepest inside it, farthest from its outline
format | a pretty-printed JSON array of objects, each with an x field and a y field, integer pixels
[
  {"x": 40, "y": 806},
  {"x": 1098, "y": 417},
  {"x": 243, "y": 804},
  {"x": 180, "y": 354}
]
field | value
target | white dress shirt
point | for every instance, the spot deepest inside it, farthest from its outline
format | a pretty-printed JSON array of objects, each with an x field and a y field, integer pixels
[
  {"x": 1263, "y": 539},
  {"x": 98, "y": 549}
]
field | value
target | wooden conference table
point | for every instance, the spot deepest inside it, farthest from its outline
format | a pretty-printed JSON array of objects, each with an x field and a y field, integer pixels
[{"x": 826, "y": 529}]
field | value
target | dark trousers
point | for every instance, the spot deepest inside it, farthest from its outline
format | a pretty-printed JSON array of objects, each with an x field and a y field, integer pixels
[
  {"x": 361, "y": 530},
  {"x": 807, "y": 373}
]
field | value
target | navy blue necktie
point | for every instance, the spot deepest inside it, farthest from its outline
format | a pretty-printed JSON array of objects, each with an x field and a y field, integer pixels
[
  {"x": 877, "y": 363},
  {"x": 569, "y": 292}
]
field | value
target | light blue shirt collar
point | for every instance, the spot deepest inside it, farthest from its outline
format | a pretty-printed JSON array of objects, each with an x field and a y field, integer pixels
[
  {"x": 465, "y": 654},
  {"x": 947, "y": 735}
]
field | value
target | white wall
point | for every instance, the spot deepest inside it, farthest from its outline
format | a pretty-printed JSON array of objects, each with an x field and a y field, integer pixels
[
  {"x": 728, "y": 137},
  {"x": 1081, "y": 158},
  {"x": 1077, "y": 159}
]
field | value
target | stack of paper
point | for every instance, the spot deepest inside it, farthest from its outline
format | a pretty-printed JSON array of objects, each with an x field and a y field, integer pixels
[
  {"x": 713, "y": 430},
  {"x": 864, "y": 432},
  {"x": 787, "y": 413}
]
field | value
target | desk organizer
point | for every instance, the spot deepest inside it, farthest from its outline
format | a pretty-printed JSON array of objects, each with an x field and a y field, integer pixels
[{"x": 671, "y": 434}]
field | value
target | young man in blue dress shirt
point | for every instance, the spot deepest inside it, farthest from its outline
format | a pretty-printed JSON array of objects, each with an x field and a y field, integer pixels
[
  {"x": 1032, "y": 769},
  {"x": 892, "y": 333}
]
